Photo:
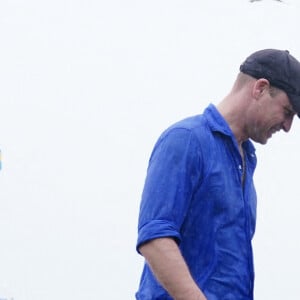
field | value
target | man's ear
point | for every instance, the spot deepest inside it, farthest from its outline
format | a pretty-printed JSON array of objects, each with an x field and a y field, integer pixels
[{"x": 260, "y": 86}]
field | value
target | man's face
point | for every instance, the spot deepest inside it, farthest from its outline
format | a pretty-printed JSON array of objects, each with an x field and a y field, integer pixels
[{"x": 273, "y": 114}]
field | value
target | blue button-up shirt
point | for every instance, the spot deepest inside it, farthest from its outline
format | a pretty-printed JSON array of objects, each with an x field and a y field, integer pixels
[{"x": 199, "y": 192}]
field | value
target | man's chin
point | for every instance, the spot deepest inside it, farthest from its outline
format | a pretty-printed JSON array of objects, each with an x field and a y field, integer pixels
[{"x": 261, "y": 141}]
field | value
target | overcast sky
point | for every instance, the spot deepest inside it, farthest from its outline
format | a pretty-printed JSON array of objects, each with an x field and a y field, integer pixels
[{"x": 86, "y": 87}]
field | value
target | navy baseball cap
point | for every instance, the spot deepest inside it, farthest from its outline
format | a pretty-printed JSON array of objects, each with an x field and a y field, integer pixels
[{"x": 280, "y": 68}]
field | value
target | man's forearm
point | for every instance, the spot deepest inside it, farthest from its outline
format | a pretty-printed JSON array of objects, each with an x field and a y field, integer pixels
[{"x": 170, "y": 269}]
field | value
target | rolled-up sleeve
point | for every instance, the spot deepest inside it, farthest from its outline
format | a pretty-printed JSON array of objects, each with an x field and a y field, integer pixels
[
  {"x": 157, "y": 229},
  {"x": 173, "y": 172}
]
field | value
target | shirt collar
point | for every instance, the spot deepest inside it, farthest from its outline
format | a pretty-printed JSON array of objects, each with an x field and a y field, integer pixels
[{"x": 217, "y": 123}]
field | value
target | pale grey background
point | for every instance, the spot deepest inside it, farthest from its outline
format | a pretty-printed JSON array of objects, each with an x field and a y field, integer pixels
[{"x": 86, "y": 87}]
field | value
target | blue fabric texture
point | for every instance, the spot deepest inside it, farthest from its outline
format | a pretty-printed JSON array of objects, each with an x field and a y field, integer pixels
[{"x": 194, "y": 193}]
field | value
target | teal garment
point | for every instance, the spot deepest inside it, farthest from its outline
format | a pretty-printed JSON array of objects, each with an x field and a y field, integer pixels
[{"x": 194, "y": 192}]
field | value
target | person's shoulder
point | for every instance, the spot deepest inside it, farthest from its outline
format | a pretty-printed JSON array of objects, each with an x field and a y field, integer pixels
[
  {"x": 198, "y": 121},
  {"x": 189, "y": 123},
  {"x": 196, "y": 126},
  {"x": 190, "y": 129}
]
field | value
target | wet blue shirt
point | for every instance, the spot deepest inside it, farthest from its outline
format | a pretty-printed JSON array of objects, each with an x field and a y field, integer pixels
[{"x": 195, "y": 192}]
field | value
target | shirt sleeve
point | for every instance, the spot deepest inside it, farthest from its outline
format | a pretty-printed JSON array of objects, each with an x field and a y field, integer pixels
[{"x": 173, "y": 173}]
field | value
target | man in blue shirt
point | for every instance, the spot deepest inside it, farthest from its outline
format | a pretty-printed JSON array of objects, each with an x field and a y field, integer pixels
[{"x": 198, "y": 209}]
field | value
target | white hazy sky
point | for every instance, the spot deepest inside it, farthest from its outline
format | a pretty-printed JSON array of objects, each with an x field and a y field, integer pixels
[{"x": 86, "y": 87}]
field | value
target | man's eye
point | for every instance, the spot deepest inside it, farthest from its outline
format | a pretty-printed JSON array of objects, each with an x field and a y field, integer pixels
[{"x": 289, "y": 112}]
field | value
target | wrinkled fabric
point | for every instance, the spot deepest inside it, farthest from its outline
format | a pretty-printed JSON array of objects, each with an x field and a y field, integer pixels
[{"x": 194, "y": 192}]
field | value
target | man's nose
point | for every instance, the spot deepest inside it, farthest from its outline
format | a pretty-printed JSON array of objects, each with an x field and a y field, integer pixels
[{"x": 287, "y": 124}]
